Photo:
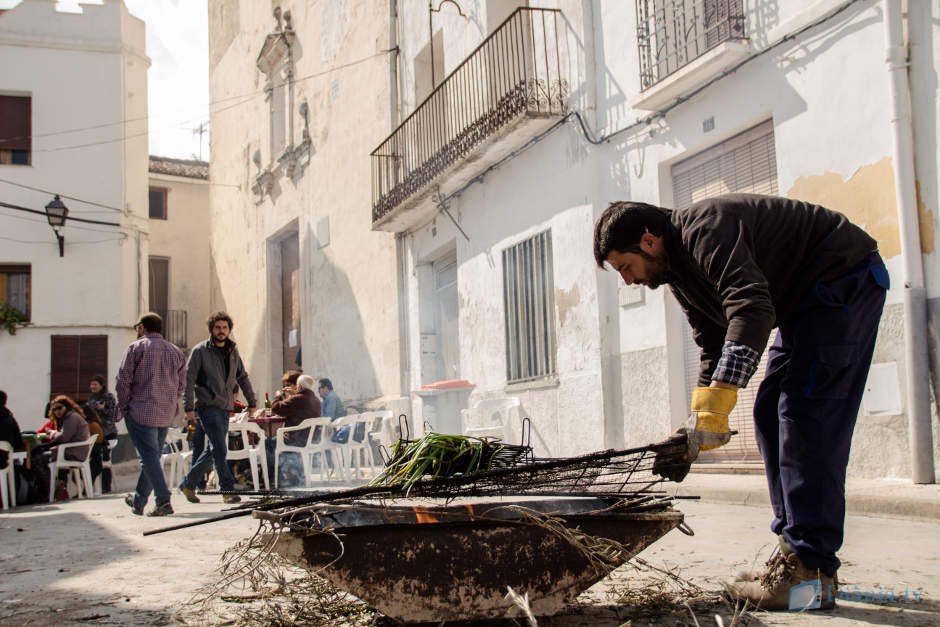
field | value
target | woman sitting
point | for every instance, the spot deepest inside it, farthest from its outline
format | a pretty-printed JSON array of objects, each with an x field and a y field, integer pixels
[{"x": 72, "y": 428}]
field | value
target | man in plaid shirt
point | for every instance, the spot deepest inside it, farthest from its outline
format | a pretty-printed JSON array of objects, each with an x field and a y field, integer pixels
[
  {"x": 740, "y": 265},
  {"x": 150, "y": 382}
]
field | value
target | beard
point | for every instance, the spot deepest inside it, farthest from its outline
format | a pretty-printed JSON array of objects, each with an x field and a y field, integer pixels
[{"x": 657, "y": 269}]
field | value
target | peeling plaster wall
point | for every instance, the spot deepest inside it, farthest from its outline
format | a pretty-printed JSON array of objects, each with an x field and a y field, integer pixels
[
  {"x": 621, "y": 374},
  {"x": 348, "y": 273}
]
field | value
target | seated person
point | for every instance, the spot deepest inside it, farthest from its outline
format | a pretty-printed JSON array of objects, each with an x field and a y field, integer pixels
[
  {"x": 9, "y": 430},
  {"x": 296, "y": 405},
  {"x": 288, "y": 383},
  {"x": 73, "y": 428}
]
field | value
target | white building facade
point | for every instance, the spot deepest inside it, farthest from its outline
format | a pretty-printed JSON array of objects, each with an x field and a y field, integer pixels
[
  {"x": 299, "y": 95},
  {"x": 74, "y": 93},
  {"x": 178, "y": 263},
  {"x": 496, "y": 209},
  {"x": 495, "y": 135}
]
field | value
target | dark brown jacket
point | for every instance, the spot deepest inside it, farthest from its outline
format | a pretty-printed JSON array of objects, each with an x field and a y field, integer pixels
[
  {"x": 296, "y": 408},
  {"x": 740, "y": 264}
]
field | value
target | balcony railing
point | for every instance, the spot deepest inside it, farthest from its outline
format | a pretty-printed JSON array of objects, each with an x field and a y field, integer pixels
[
  {"x": 515, "y": 71},
  {"x": 672, "y": 33}
]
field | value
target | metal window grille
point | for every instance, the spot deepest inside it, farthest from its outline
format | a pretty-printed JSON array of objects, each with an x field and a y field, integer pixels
[
  {"x": 528, "y": 296},
  {"x": 743, "y": 163},
  {"x": 174, "y": 327},
  {"x": 672, "y": 33}
]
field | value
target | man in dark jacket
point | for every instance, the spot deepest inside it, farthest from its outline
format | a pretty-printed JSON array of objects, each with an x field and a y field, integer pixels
[
  {"x": 740, "y": 265},
  {"x": 212, "y": 373},
  {"x": 295, "y": 403}
]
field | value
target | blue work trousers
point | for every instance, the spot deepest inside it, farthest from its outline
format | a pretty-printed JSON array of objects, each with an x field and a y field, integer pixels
[
  {"x": 148, "y": 441},
  {"x": 807, "y": 405},
  {"x": 214, "y": 422}
]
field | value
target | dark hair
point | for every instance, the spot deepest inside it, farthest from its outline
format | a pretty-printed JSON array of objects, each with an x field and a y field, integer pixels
[
  {"x": 3, "y": 398},
  {"x": 151, "y": 322},
  {"x": 91, "y": 415},
  {"x": 217, "y": 316},
  {"x": 622, "y": 225},
  {"x": 326, "y": 383},
  {"x": 69, "y": 404},
  {"x": 290, "y": 377},
  {"x": 100, "y": 380}
]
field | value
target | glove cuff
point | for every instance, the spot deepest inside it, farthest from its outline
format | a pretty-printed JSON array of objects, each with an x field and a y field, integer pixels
[{"x": 720, "y": 400}]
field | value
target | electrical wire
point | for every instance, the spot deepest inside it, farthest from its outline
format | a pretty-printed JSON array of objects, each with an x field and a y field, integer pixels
[
  {"x": 67, "y": 218},
  {"x": 442, "y": 201},
  {"x": 45, "y": 191},
  {"x": 246, "y": 97}
]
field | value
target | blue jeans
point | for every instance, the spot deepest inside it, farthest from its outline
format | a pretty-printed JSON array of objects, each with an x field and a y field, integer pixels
[
  {"x": 149, "y": 443},
  {"x": 198, "y": 445},
  {"x": 807, "y": 404},
  {"x": 214, "y": 422}
]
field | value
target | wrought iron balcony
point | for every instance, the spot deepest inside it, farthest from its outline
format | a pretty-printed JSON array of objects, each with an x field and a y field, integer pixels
[
  {"x": 514, "y": 75},
  {"x": 673, "y": 33}
]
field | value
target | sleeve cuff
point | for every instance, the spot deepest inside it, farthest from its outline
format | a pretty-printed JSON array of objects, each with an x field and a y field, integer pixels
[{"x": 737, "y": 364}]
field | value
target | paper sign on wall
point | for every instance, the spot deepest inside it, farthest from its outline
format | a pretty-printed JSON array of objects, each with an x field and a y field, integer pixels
[{"x": 292, "y": 338}]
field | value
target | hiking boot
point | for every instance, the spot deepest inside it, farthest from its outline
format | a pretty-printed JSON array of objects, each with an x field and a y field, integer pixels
[
  {"x": 189, "y": 493},
  {"x": 129, "y": 500},
  {"x": 783, "y": 549},
  {"x": 231, "y": 498},
  {"x": 789, "y": 585},
  {"x": 161, "y": 509}
]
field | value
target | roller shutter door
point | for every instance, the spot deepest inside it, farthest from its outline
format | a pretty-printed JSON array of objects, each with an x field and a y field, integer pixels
[{"x": 743, "y": 163}]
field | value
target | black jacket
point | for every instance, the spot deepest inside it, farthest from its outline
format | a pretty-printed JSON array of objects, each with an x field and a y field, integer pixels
[
  {"x": 741, "y": 263},
  {"x": 213, "y": 373}
]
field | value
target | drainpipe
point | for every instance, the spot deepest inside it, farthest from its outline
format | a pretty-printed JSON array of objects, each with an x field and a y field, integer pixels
[
  {"x": 404, "y": 381},
  {"x": 915, "y": 293}
]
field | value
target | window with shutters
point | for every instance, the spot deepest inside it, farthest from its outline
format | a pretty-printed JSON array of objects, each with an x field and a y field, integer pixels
[
  {"x": 743, "y": 163},
  {"x": 528, "y": 297},
  {"x": 15, "y": 287},
  {"x": 673, "y": 33},
  {"x": 16, "y": 130},
  {"x": 75, "y": 359}
]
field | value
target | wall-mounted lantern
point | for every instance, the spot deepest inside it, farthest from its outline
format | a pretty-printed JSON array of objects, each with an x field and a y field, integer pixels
[{"x": 56, "y": 213}]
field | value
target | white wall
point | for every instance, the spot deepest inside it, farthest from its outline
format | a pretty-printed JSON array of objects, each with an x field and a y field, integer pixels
[
  {"x": 82, "y": 72},
  {"x": 833, "y": 146},
  {"x": 348, "y": 286},
  {"x": 184, "y": 238}
]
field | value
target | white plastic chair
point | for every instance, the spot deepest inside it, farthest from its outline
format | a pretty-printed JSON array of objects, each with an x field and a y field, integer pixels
[
  {"x": 352, "y": 450},
  {"x": 491, "y": 417},
  {"x": 320, "y": 432},
  {"x": 7, "y": 478},
  {"x": 254, "y": 453},
  {"x": 386, "y": 434},
  {"x": 379, "y": 432},
  {"x": 169, "y": 462},
  {"x": 79, "y": 470}
]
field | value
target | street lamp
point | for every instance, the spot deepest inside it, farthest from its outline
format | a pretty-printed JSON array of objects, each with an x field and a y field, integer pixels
[{"x": 56, "y": 213}]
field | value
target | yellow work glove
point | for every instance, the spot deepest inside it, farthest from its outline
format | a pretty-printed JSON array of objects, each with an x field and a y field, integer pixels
[
  {"x": 710, "y": 409},
  {"x": 707, "y": 428}
]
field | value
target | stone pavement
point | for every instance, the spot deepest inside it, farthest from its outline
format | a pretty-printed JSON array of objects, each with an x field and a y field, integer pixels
[{"x": 85, "y": 561}]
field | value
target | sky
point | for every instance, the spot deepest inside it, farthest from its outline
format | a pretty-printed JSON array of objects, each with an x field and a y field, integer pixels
[{"x": 178, "y": 78}]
